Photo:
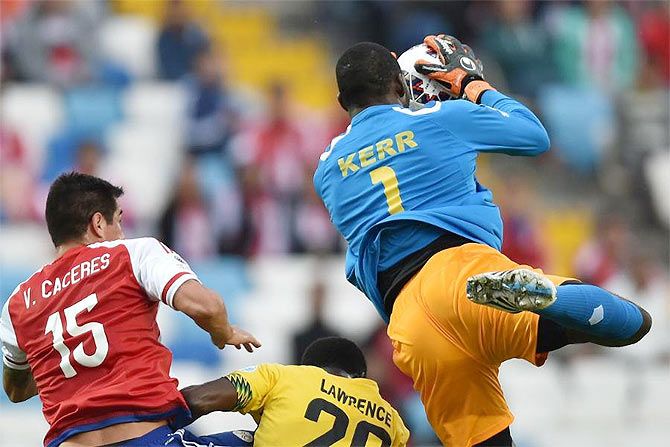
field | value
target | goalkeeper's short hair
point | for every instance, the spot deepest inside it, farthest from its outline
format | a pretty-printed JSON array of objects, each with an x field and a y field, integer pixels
[
  {"x": 365, "y": 72},
  {"x": 336, "y": 353}
]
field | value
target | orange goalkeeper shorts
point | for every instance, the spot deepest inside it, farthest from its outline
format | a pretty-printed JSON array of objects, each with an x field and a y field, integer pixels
[{"x": 452, "y": 348}]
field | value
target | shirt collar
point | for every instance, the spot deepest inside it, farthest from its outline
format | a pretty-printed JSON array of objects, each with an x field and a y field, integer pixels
[{"x": 371, "y": 111}]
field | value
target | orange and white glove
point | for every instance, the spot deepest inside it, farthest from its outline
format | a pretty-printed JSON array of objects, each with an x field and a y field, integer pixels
[{"x": 460, "y": 72}]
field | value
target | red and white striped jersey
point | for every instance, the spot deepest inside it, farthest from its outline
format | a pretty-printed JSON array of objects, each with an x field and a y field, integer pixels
[{"x": 86, "y": 326}]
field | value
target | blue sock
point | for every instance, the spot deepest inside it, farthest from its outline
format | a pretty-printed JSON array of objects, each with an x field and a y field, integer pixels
[{"x": 595, "y": 311}]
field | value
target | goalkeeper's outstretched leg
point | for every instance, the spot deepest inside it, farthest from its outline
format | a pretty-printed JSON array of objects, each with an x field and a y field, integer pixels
[{"x": 586, "y": 312}]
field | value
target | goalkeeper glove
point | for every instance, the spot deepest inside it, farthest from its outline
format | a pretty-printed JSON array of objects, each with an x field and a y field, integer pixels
[{"x": 460, "y": 72}]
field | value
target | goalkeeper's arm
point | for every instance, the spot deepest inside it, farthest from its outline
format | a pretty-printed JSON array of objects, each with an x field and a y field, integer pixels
[
  {"x": 500, "y": 124},
  {"x": 504, "y": 125}
]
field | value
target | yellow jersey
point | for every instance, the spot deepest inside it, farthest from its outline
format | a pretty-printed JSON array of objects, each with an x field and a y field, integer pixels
[{"x": 307, "y": 406}]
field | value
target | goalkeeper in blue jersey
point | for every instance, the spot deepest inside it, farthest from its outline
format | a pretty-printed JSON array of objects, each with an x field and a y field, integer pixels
[{"x": 424, "y": 239}]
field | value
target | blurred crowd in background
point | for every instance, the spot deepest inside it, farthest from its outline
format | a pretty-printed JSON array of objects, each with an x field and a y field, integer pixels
[{"x": 212, "y": 114}]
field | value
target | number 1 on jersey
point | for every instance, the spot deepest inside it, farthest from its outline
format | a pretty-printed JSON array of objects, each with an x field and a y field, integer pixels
[{"x": 386, "y": 176}]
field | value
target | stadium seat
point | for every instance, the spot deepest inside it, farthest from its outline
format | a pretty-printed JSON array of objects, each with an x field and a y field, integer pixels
[
  {"x": 215, "y": 173},
  {"x": 129, "y": 42},
  {"x": 89, "y": 111},
  {"x": 545, "y": 404},
  {"x": 655, "y": 393},
  {"x": 189, "y": 373},
  {"x": 297, "y": 274},
  {"x": 580, "y": 124},
  {"x": 35, "y": 112},
  {"x": 26, "y": 246},
  {"x": 278, "y": 307},
  {"x": 21, "y": 425},
  {"x": 145, "y": 159},
  {"x": 190, "y": 343},
  {"x": 153, "y": 10},
  {"x": 61, "y": 153},
  {"x": 276, "y": 342},
  {"x": 656, "y": 170},
  {"x": 92, "y": 109},
  {"x": 156, "y": 103},
  {"x": 601, "y": 386}
]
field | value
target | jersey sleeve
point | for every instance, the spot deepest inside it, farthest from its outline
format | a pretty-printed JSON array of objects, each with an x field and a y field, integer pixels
[
  {"x": 12, "y": 356},
  {"x": 401, "y": 434},
  {"x": 318, "y": 180},
  {"x": 159, "y": 270},
  {"x": 254, "y": 386},
  {"x": 500, "y": 124}
]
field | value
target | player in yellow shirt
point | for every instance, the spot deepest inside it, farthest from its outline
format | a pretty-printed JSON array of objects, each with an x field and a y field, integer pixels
[{"x": 326, "y": 401}]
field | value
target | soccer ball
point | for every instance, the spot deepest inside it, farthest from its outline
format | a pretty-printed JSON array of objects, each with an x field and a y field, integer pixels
[{"x": 421, "y": 88}]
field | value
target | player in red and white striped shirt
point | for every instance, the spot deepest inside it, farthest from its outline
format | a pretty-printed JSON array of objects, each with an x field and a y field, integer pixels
[{"x": 82, "y": 330}]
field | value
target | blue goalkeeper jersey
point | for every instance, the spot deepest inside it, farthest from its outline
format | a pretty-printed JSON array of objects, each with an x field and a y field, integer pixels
[{"x": 396, "y": 180}]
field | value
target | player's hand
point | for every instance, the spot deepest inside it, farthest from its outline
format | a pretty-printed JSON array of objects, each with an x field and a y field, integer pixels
[
  {"x": 460, "y": 72},
  {"x": 240, "y": 338}
]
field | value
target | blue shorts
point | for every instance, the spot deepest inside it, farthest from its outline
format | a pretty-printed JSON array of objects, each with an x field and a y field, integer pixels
[{"x": 164, "y": 436}]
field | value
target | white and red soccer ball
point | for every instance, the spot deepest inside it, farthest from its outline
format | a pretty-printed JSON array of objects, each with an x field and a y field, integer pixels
[{"x": 422, "y": 89}]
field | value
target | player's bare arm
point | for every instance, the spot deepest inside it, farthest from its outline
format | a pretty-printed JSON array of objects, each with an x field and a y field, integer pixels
[
  {"x": 333, "y": 380},
  {"x": 206, "y": 308},
  {"x": 217, "y": 395},
  {"x": 19, "y": 384}
]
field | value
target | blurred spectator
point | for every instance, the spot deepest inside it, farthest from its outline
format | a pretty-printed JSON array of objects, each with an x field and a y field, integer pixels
[
  {"x": 87, "y": 155},
  {"x": 315, "y": 328},
  {"x": 521, "y": 238},
  {"x": 313, "y": 232},
  {"x": 353, "y": 22},
  {"x": 222, "y": 190},
  {"x": 581, "y": 123},
  {"x": 8, "y": 70},
  {"x": 179, "y": 42},
  {"x": 643, "y": 124},
  {"x": 16, "y": 179},
  {"x": 645, "y": 282},
  {"x": 12, "y": 151},
  {"x": 212, "y": 118},
  {"x": 278, "y": 148},
  {"x": 69, "y": 151},
  {"x": 654, "y": 32},
  {"x": 413, "y": 24},
  {"x": 185, "y": 224},
  {"x": 11, "y": 9},
  {"x": 595, "y": 45},
  {"x": 53, "y": 42},
  {"x": 519, "y": 45},
  {"x": 89, "y": 158},
  {"x": 657, "y": 180},
  {"x": 602, "y": 258},
  {"x": 275, "y": 160},
  {"x": 269, "y": 224}
]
